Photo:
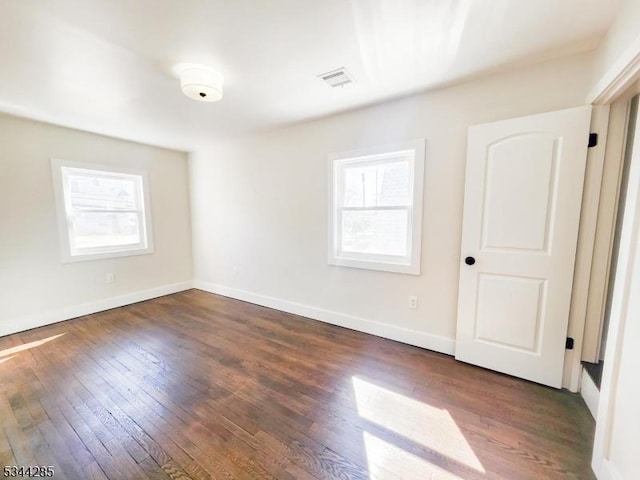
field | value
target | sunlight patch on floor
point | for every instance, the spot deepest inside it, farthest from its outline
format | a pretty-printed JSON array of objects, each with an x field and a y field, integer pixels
[
  {"x": 2, "y": 360},
  {"x": 385, "y": 461},
  {"x": 27, "y": 346},
  {"x": 431, "y": 427}
]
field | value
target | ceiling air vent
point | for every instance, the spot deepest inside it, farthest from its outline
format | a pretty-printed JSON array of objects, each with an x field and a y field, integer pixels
[{"x": 337, "y": 78}]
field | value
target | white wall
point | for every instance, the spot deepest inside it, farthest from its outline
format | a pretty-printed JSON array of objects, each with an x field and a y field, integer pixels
[
  {"x": 35, "y": 287},
  {"x": 617, "y": 439},
  {"x": 623, "y": 32},
  {"x": 625, "y": 438},
  {"x": 259, "y": 204}
]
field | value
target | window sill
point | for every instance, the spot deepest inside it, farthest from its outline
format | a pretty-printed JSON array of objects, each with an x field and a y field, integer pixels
[
  {"x": 376, "y": 265},
  {"x": 67, "y": 258}
]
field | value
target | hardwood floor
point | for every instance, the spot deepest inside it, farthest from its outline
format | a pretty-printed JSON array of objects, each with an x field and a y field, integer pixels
[{"x": 199, "y": 386}]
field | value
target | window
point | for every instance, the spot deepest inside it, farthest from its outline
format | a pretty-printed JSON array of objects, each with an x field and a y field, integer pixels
[
  {"x": 375, "y": 208},
  {"x": 103, "y": 212}
]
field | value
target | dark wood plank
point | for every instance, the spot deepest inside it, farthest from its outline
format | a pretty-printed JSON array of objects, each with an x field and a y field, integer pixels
[{"x": 199, "y": 386}]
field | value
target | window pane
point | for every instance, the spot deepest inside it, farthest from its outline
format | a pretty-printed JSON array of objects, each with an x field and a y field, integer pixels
[
  {"x": 393, "y": 187},
  {"x": 103, "y": 192},
  {"x": 91, "y": 230},
  {"x": 381, "y": 184},
  {"x": 359, "y": 186},
  {"x": 381, "y": 232}
]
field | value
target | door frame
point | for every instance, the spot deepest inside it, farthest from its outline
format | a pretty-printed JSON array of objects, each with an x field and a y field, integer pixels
[
  {"x": 585, "y": 247},
  {"x": 623, "y": 308},
  {"x": 620, "y": 82},
  {"x": 605, "y": 231}
]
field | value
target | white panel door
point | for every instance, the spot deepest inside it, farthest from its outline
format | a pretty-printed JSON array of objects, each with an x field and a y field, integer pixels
[{"x": 523, "y": 192}]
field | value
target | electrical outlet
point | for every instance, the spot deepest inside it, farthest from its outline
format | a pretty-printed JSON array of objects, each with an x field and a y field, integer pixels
[
  {"x": 413, "y": 302},
  {"x": 111, "y": 277}
]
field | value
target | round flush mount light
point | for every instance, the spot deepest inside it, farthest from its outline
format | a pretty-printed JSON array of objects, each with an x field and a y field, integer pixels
[{"x": 200, "y": 82}]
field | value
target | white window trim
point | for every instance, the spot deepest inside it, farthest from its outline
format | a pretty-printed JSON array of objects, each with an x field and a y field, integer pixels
[
  {"x": 409, "y": 264},
  {"x": 63, "y": 223}
]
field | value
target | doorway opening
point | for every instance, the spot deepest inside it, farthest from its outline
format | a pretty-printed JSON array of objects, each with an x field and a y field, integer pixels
[{"x": 594, "y": 364}]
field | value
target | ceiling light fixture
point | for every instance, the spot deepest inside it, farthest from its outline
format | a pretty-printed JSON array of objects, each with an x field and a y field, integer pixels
[{"x": 200, "y": 82}]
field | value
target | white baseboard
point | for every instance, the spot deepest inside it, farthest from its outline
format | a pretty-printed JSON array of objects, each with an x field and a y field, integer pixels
[
  {"x": 58, "y": 315},
  {"x": 400, "y": 334},
  {"x": 607, "y": 471},
  {"x": 590, "y": 393}
]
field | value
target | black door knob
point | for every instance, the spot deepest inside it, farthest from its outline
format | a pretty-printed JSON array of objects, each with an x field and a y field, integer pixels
[{"x": 469, "y": 260}]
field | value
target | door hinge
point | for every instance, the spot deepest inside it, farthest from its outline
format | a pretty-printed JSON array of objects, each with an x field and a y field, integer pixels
[
  {"x": 569, "y": 343},
  {"x": 593, "y": 140}
]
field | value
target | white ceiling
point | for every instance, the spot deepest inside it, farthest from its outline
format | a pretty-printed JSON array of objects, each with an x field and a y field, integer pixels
[{"x": 105, "y": 65}]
